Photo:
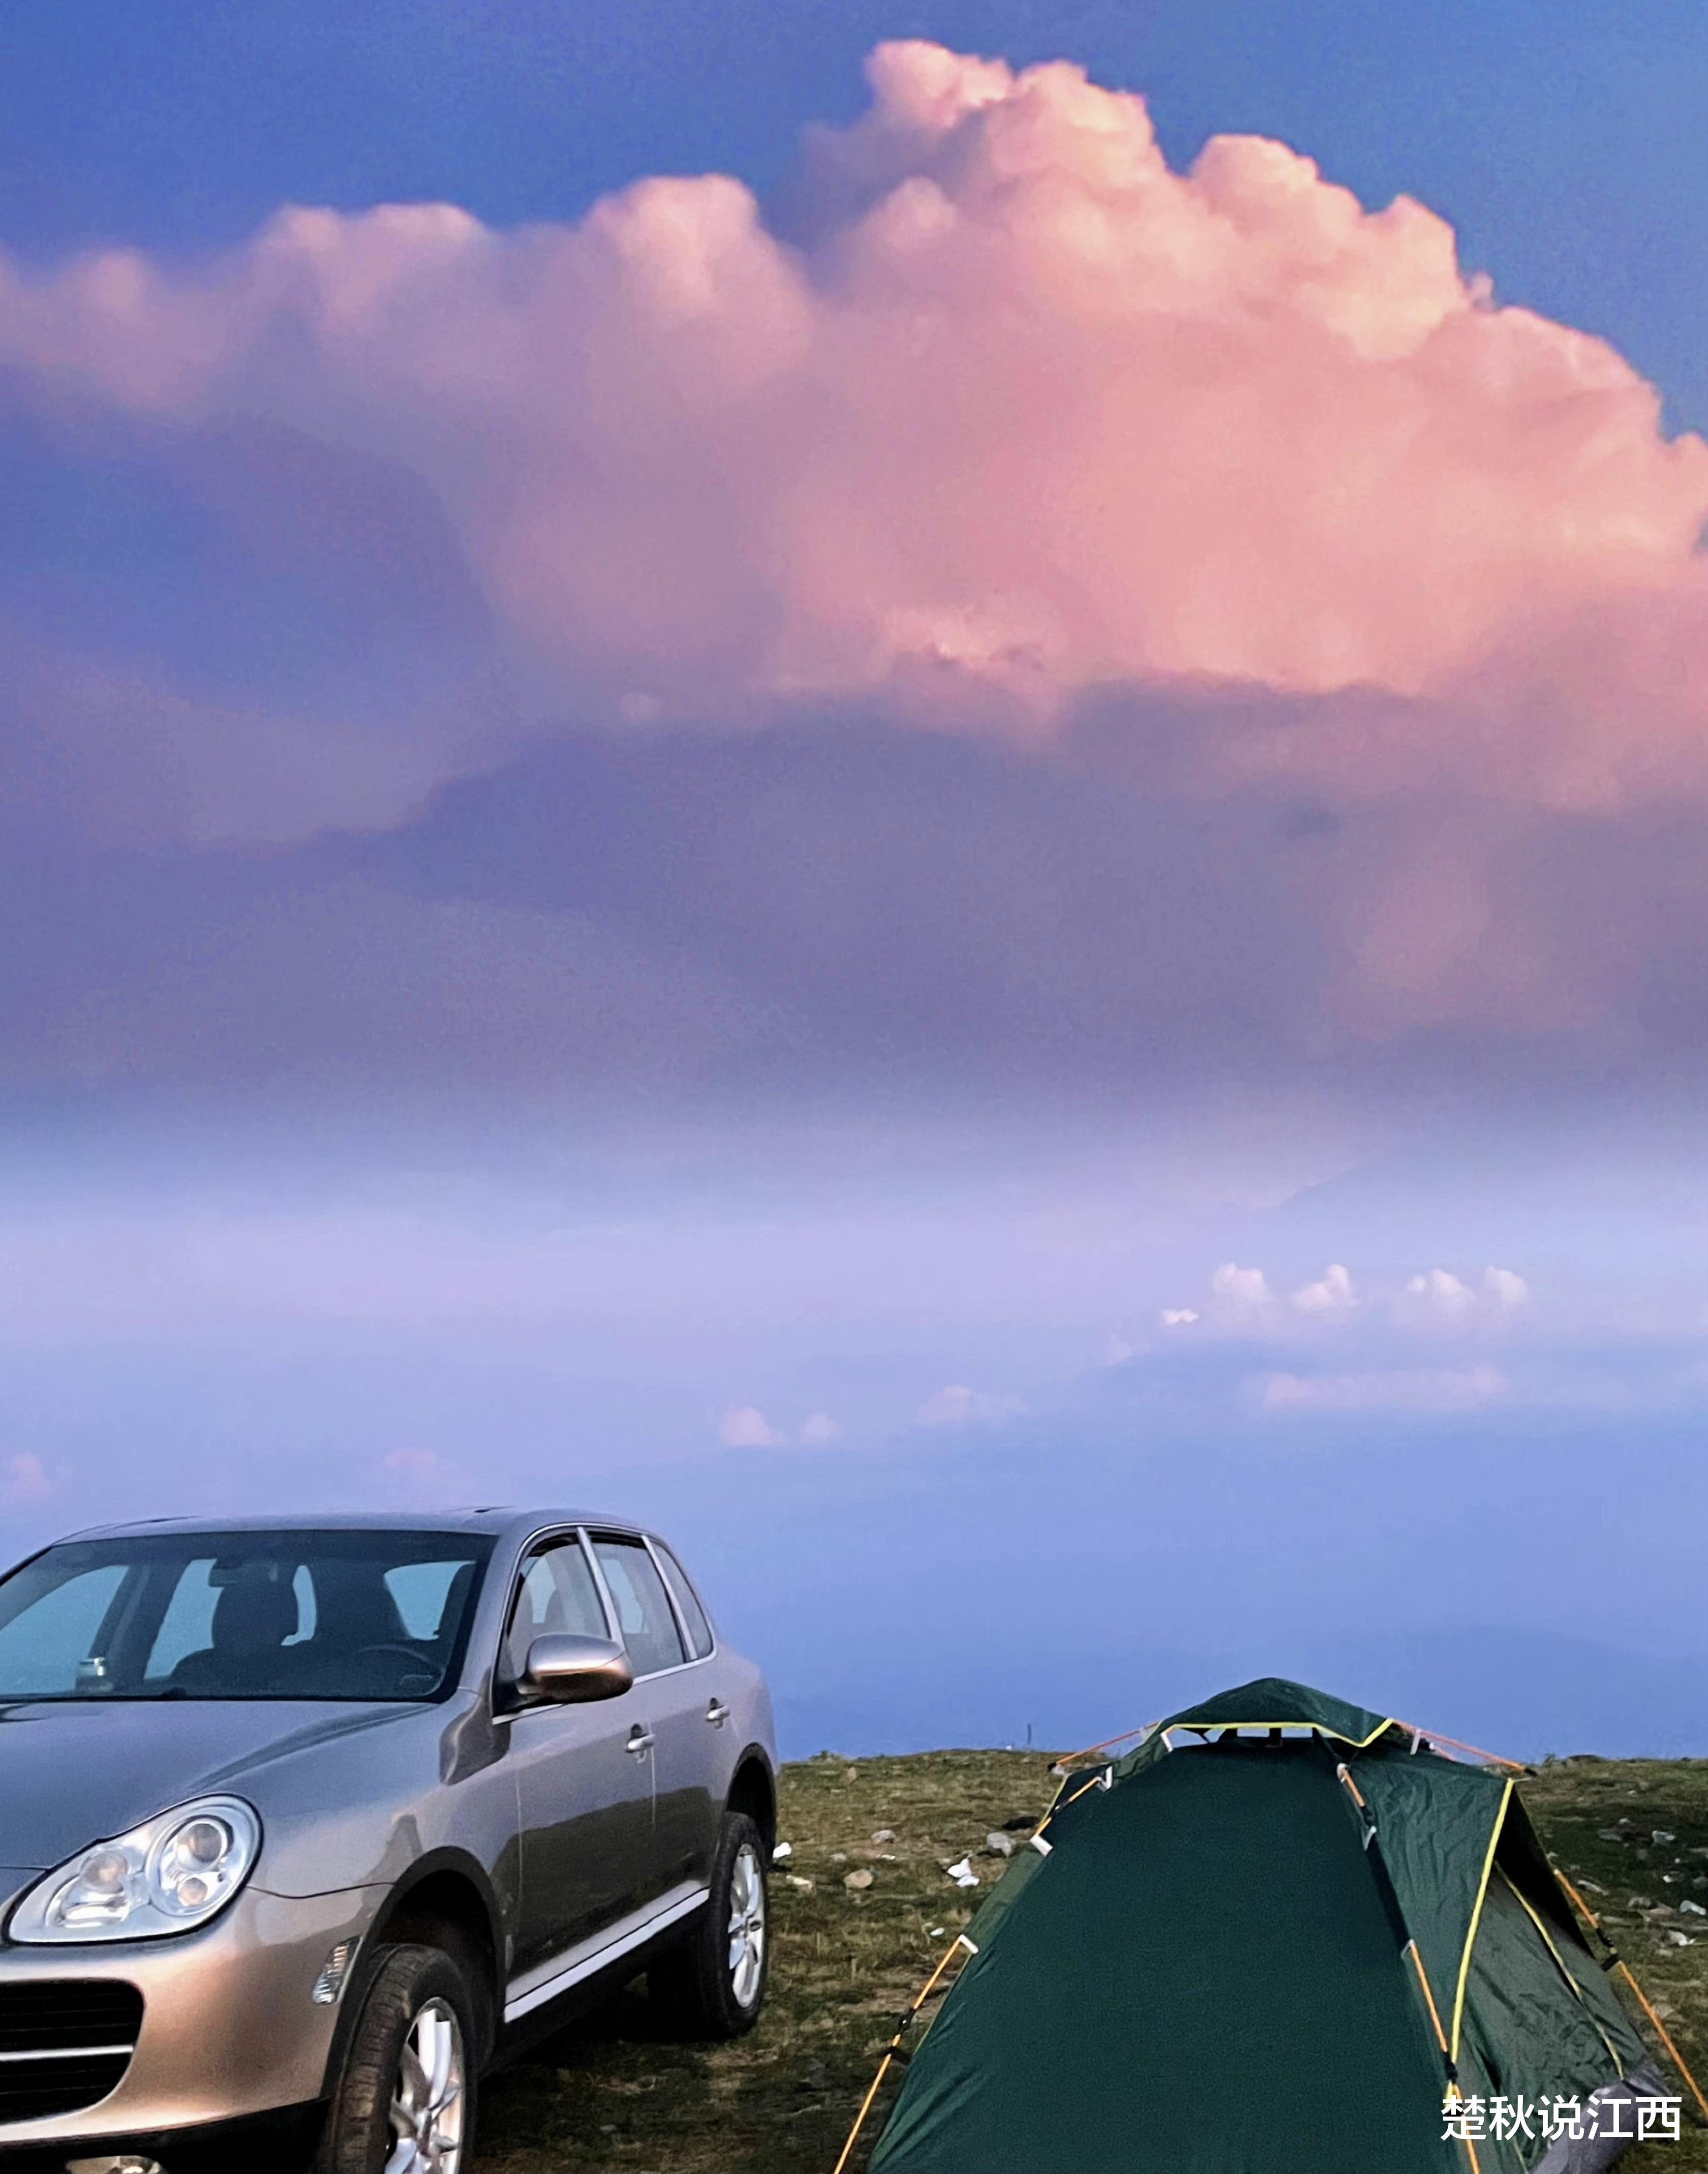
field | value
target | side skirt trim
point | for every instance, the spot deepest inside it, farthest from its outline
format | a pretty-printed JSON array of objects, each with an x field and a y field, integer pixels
[{"x": 524, "y": 1994}]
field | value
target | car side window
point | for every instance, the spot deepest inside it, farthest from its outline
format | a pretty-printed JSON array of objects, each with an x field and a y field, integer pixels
[
  {"x": 643, "y": 1606},
  {"x": 693, "y": 1615},
  {"x": 556, "y": 1594}
]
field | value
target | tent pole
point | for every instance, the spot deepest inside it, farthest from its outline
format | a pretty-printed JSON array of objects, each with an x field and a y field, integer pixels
[
  {"x": 1453, "y": 2091},
  {"x": 894, "y": 2047},
  {"x": 1067, "y": 1758},
  {"x": 1627, "y": 1973},
  {"x": 1435, "y": 1736}
]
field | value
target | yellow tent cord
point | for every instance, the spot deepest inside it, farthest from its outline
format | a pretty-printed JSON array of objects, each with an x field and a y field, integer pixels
[
  {"x": 1476, "y": 1918},
  {"x": 1626, "y": 1973},
  {"x": 894, "y": 2047}
]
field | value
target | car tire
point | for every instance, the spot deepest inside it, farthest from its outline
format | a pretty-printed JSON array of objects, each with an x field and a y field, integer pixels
[
  {"x": 713, "y": 1984},
  {"x": 408, "y": 2072}
]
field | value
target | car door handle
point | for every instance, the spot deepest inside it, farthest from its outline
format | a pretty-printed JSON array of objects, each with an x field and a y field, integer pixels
[
  {"x": 716, "y": 1713},
  {"x": 639, "y": 1740}
]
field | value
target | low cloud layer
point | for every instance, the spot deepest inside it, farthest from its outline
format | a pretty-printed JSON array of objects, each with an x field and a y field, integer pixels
[
  {"x": 1007, "y": 604},
  {"x": 1416, "y": 1389}
]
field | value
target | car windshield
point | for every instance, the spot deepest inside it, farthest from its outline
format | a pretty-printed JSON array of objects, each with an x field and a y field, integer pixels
[{"x": 348, "y": 1614}]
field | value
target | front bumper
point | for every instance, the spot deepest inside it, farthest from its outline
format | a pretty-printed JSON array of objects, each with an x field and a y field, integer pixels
[
  {"x": 230, "y": 2027},
  {"x": 279, "y": 2143}
]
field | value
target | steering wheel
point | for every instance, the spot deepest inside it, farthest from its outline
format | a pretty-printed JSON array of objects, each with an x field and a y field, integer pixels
[{"x": 404, "y": 1652}]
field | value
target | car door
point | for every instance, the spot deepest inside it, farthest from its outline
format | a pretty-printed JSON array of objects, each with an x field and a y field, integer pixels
[
  {"x": 676, "y": 1697},
  {"x": 701, "y": 1743},
  {"x": 583, "y": 1776}
]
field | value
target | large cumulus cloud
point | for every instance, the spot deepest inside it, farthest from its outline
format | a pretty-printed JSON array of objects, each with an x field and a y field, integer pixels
[
  {"x": 1008, "y": 595},
  {"x": 1018, "y": 397}
]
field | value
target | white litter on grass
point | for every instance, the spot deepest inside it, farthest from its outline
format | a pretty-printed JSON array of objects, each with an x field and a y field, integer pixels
[
  {"x": 1664, "y": 1834},
  {"x": 1681, "y": 1939},
  {"x": 999, "y": 1845},
  {"x": 963, "y": 1874},
  {"x": 882, "y": 1835},
  {"x": 935, "y": 1932},
  {"x": 797, "y": 1881},
  {"x": 782, "y": 1850},
  {"x": 1693, "y": 1909},
  {"x": 1594, "y": 1886}
]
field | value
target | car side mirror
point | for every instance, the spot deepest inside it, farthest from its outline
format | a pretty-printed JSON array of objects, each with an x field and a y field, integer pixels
[{"x": 569, "y": 1671}]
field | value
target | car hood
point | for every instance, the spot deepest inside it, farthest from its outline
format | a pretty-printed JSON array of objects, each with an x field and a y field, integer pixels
[{"x": 79, "y": 1772}]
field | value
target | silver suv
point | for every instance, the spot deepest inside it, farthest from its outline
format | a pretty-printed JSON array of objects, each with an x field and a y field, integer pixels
[{"x": 304, "y": 1823}]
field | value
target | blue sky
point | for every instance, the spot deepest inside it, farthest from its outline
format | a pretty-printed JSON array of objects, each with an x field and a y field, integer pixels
[
  {"x": 1560, "y": 139},
  {"x": 1173, "y": 1137}
]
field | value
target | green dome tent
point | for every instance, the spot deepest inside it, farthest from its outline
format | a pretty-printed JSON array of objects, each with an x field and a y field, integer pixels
[{"x": 1273, "y": 1949}]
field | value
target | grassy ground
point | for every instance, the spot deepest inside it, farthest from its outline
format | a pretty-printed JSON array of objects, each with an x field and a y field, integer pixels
[
  {"x": 1631, "y": 1834},
  {"x": 611, "y": 2095}
]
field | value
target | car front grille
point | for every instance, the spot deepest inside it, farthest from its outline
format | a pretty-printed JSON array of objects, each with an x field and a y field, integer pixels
[{"x": 64, "y": 2043}]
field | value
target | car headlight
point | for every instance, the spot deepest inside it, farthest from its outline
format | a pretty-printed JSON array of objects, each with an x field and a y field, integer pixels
[{"x": 169, "y": 1876}]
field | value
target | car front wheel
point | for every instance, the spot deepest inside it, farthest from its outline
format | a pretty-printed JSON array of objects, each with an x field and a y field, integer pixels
[
  {"x": 405, "y": 2098},
  {"x": 713, "y": 1985}
]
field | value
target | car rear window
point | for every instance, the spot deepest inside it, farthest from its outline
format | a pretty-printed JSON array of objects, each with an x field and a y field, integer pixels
[{"x": 693, "y": 1615}]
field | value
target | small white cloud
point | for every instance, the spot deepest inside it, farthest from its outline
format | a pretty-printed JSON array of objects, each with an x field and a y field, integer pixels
[
  {"x": 1332, "y": 1293},
  {"x": 418, "y": 1463},
  {"x": 820, "y": 1427},
  {"x": 1439, "y": 1291},
  {"x": 1507, "y": 1290},
  {"x": 1116, "y": 1351},
  {"x": 745, "y": 1426},
  {"x": 1239, "y": 1286},
  {"x": 957, "y": 1405},
  {"x": 1179, "y": 1316},
  {"x": 26, "y": 1480},
  {"x": 1447, "y": 1389}
]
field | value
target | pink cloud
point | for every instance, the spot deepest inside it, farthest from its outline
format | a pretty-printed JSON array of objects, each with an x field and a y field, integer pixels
[
  {"x": 745, "y": 1426},
  {"x": 26, "y": 1480},
  {"x": 1024, "y": 408},
  {"x": 1212, "y": 484}
]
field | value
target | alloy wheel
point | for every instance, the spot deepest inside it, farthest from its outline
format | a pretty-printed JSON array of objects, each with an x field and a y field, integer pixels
[
  {"x": 747, "y": 1926},
  {"x": 428, "y": 2096}
]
